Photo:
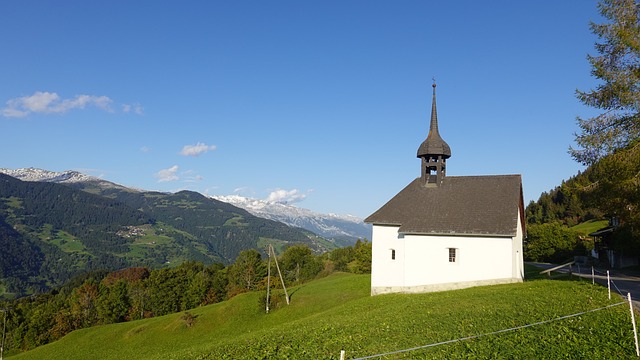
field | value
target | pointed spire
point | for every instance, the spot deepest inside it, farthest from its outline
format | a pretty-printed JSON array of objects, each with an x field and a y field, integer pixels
[
  {"x": 433, "y": 151},
  {"x": 434, "y": 144},
  {"x": 433, "y": 127}
]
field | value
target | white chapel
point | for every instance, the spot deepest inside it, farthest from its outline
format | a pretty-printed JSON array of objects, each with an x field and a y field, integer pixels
[{"x": 447, "y": 232}]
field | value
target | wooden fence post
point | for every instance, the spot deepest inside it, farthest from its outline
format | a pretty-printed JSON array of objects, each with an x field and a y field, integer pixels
[
  {"x": 633, "y": 321},
  {"x": 609, "y": 284}
]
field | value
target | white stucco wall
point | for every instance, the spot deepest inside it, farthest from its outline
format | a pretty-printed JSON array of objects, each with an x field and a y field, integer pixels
[
  {"x": 422, "y": 262},
  {"x": 384, "y": 271},
  {"x": 518, "y": 256}
]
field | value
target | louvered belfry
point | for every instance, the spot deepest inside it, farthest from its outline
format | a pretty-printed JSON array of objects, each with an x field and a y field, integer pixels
[{"x": 433, "y": 151}]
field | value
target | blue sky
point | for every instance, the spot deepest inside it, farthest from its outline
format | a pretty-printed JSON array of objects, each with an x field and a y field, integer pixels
[{"x": 319, "y": 103}]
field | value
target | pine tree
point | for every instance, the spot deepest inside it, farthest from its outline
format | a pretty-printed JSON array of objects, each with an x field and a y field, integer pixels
[{"x": 617, "y": 65}]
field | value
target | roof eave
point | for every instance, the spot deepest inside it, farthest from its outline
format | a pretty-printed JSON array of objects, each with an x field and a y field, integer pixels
[
  {"x": 382, "y": 223},
  {"x": 456, "y": 234}
]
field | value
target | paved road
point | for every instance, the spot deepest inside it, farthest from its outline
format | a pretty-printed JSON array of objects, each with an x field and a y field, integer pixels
[{"x": 621, "y": 282}]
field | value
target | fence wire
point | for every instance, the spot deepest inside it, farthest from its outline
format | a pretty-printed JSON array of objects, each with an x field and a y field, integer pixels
[
  {"x": 610, "y": 280},
  {"x": 487, "y": 334}
]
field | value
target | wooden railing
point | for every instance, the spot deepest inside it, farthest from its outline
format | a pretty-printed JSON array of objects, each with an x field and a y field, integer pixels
[{"x": 548, "y": 271}]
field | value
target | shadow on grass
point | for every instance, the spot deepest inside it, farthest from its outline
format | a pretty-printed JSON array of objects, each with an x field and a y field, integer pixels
[
  {"x": 295, "y": 291},
  {"x": 532, "y": 272}
]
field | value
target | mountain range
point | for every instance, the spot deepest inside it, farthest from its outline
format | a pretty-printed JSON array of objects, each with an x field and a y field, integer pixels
[
  {"x": 343, "y": 229},
  {"x": 55, "y": 225}
]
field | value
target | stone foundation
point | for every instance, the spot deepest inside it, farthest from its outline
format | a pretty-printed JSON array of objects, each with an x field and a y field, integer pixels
[{"x": 378, "y": 290}]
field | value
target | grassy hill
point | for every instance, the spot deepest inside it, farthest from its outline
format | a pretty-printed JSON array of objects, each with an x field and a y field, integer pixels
[
  {"x": 590, "y": 226},
  {"x": 336, "y": 313}
]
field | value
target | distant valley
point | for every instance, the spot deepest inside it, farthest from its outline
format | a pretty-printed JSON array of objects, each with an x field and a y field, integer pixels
[{"x": 55, "y": 225}]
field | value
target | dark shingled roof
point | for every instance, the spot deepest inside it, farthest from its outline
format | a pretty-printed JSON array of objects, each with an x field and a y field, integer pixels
[{"x": 462, "y": 205}]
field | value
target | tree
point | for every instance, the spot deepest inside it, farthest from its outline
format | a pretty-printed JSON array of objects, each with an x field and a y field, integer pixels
[
  {"x": 341, "y": 257},
  {"x": 361, "y": 263},
  {"x": 196, "y": 292},
  {"x": 615, "y": 187},
  {"x": 113, "y": 303},
  {"x": 166, "y": 288},
  {"x": 247, "y": 271},
  {"x": 219, "y": 282},
  {"x": 299, "y": 264},
  {"x": 139, "y": 298},
  {"x": 618, "y": 66},
  {"x": 552, "y": 242},
  {"x": 83, "y": 302}
]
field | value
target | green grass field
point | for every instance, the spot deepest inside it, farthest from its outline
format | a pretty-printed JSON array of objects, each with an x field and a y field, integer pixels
[
  {"x": 336, "y": 313},
  {"x": 590, "y": 226}
]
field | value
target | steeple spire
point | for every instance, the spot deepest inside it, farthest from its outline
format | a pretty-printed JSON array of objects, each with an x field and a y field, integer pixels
[{"x": 433, "y": 151}]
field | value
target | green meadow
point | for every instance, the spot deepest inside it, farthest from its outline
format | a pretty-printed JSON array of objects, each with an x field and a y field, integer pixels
[{"x": 335, "y": 313}]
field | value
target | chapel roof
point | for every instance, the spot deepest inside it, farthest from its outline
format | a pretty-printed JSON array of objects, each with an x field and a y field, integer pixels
[{"x": 462, "y": 205}]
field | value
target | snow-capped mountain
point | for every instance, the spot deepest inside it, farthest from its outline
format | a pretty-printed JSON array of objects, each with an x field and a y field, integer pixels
[
  {"x": 331, "y": 226},
  {"x": 69, "y": 177},
  {"x": 344, "y": 229}
]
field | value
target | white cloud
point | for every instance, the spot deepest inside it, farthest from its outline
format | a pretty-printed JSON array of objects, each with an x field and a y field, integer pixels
[
  {"x": 286, "y": 196},
  {"x": 193, "y": 179},
  {"x": 43, "y": 102},
  {"x": 190, "y": 176},
  {"x": 135, "y": 108},
  {"x": 51, "y": 103},
  {"x": 244, "y": 191},
  {"x": 197, "y": 149},
  {"x": 169, "y": 174}
]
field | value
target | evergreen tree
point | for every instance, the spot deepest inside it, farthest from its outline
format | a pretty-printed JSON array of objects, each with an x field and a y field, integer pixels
[
  {"x": 618, "y": 67},
  {"x": 113, "y": 303},
  {"x": 247, "y": 271},
  {"x": 610, "y": 141}
]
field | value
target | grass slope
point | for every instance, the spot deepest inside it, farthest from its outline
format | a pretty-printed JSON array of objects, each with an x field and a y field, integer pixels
[
  {"x": 337, "y": 313},
  {"x": 590, "y": 226}
]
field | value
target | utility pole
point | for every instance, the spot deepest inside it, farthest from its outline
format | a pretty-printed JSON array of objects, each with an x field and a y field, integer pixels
[
  {"x": 271, "y": 251},
  {"x": 286, "y": 295},
  {"x": 268, "y": 279}
]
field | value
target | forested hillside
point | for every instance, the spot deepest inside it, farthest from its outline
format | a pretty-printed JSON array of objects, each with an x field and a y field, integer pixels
[
  {"x": 567, "y": 204},
  {"x": 608, "y": 189},
  {"x": 102, "y": 297},
  {"x": 50, "y": 232}
]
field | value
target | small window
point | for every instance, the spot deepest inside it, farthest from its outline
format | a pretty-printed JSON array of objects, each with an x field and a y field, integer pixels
[
  {"x": 393, "y": 254},
  {"x": 452, "y": 255}
]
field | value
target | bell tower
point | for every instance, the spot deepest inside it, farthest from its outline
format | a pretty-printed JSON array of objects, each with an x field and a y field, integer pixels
[{"x": 433, "y": 151}]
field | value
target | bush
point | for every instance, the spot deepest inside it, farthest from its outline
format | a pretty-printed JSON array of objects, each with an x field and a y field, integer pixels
[
  {"x": 277, "y": 299},
  {"x": 188, "y": 318},
  {"x": 552, "y": 243}
]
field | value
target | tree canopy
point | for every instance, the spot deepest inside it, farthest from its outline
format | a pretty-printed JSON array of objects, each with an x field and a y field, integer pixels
[
  {"x": 617, "y": 65},
  {"x": 610, "y": 141}
]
